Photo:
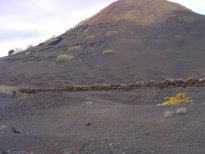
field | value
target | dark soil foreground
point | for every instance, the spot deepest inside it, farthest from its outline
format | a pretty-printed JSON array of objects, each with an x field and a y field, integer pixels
[{"x": 102, "y": 123}]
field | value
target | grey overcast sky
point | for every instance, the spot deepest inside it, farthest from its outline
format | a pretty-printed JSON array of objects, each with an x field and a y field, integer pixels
[{"x": 26, "y": 22}]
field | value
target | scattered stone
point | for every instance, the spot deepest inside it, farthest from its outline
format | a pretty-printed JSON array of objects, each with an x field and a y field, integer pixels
[
  {"x": 88, "y": 124},
  {"x": 123, "y": 87},
  {"x": 147, "y": 134},
  {"x": 12, "y": 151},
  {"x": 14, "y": 94},
  {"x": 2, "y": 127},
  {"x": 15, "y": 131}
]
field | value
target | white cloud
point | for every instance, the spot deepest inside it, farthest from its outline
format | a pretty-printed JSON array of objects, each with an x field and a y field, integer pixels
[
  {"x": 48, "y": 18},
  {"x": 195, "y": 5}
]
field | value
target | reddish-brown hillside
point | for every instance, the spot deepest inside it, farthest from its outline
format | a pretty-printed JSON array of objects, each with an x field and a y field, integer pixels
[{"x": 143, "y": 12}]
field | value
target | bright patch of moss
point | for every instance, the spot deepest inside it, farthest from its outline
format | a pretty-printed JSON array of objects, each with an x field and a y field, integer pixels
[
  {"x": 64, "y": 58},
  {"x": 74, "y": 48},
  {"x": 108, "y": 52},
  {"x": 180, "y": 98}
]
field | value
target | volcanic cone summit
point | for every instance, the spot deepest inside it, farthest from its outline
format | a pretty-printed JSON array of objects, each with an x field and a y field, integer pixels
[{"x": 142, "y": 12}]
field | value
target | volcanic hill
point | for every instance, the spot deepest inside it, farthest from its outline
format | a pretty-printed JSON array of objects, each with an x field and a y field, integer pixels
[
  {"x": 130, "y": 40},
  {"x": 142, "y": 12}
]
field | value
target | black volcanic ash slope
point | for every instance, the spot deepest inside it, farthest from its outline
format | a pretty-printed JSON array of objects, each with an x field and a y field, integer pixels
[{"x": 130, "y": 40}]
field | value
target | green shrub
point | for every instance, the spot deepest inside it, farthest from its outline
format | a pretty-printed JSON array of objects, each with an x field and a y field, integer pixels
[
  {"x": 10, "y": 89},
  {"x": 63, "y": 58},
  {"x": 74, "y": 48},
  {"x": 30, "y": 46},
  {"x": 86, "y": 31},
  {"x": 90, "y": 37},
  {"x": 7, "y": 89},
  {"x": 108, "y": 52},
  {"x": 27, "y": 53},
  {"x": 111, "y": 33},
  {"x": 51, "y": 40},
  {"x": 48, "y": 41}
]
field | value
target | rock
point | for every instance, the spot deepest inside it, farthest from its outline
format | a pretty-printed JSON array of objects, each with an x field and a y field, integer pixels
[
  {"x": 14, "y": 94},
  {"x": 15, "y": 131},
  {"x": 2, "y": 127},
  {"x": 88, "y": 124}
]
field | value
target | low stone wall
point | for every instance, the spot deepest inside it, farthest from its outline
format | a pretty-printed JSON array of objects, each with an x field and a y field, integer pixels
[{"x": 122, "y": 87}]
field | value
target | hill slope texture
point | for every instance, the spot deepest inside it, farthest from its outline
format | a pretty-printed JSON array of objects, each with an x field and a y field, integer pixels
[{"x": 130, "y": 40}]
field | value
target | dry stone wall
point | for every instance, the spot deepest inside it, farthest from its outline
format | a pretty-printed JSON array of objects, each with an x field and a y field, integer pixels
[{"x": 122, "y": 87}]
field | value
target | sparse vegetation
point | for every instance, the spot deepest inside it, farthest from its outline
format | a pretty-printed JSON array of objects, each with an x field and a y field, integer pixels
[
  {"x": 2, "y": 127},
  {"x": 64, "y": 58},
  {"x": 74, "y": 48},
  {"x": 181, "y": 110},
  {"x": 85, "y": 31},
  {"x": 51, "y": 40},
  {"x": 30, "y": 46},
  {"x": 48, "y": 41},
  {"x": 7, "y": 89},
  {"x": 15, "y": 51},
  {"x": 108, "y": 52},
  {"x": 180, "y": 98},
  {"x": 112, "y": 33},
  {"x": 27, "y": 53},
  {"x": 90, "y": 37},
  {"x": 168, "y": 114},
  {"x": 10, "y": 90}
]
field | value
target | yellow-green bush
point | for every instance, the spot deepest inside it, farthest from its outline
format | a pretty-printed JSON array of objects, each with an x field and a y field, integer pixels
[
  {"x": 74, "y": 48},
  {"x": 10, "y": 89},
  {"x": 180, "y": 98},
  {"x": 108, "y": 52},
  {"x": 111, "y": 33},
  {"x": 90, "y": 37},
  {"x": 63, "y": 58},
  {"x": 50, "y": 40},
  {"x": 7, "y": 89},
  {"x": 27, "y": 53}
]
